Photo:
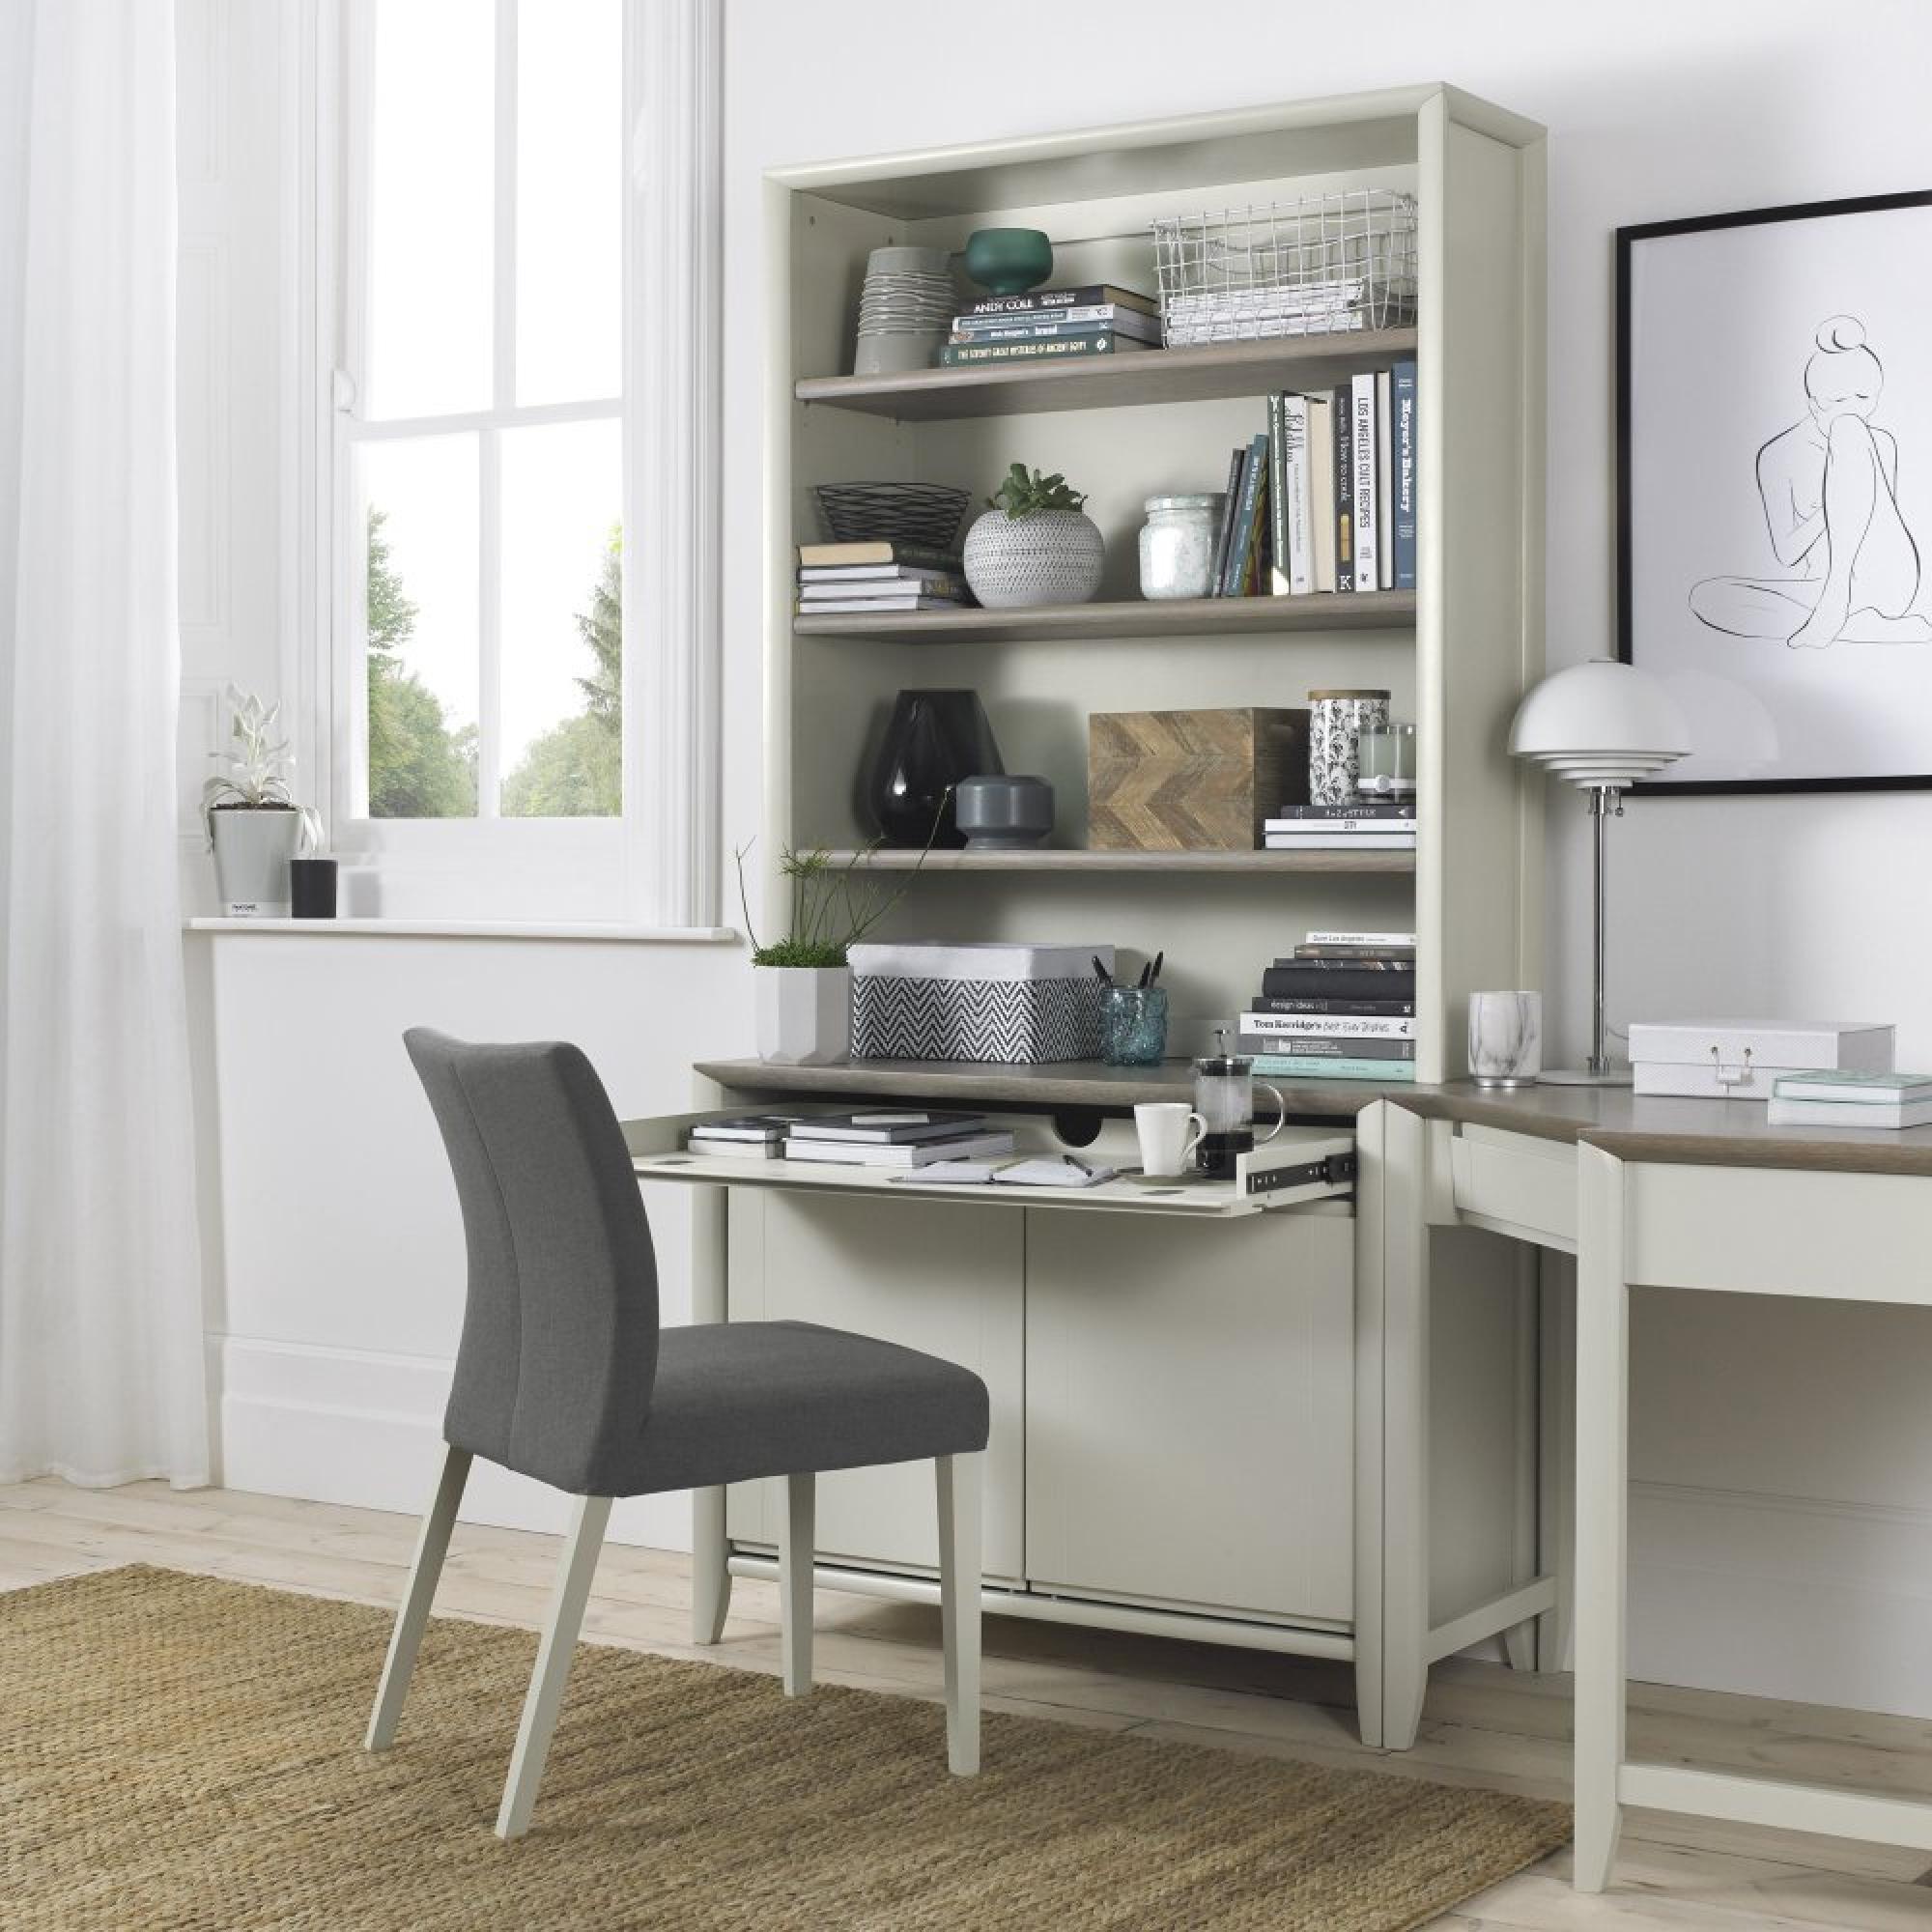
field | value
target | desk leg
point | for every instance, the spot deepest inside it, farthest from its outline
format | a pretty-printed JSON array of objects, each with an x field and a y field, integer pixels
[
  {"x": 710, "y": 1548},
  {"x": 1602, "y": 1511}
]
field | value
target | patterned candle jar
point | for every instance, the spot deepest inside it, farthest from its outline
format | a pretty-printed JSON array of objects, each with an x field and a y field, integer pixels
[{"x": 1336, "y": 721}]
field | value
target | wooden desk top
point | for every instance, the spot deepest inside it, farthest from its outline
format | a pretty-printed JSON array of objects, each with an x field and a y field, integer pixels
[{"x": 1633, "y": 1127}]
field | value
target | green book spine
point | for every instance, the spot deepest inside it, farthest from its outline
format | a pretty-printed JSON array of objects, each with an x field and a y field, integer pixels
[{"x": 1302, "y": 1066}]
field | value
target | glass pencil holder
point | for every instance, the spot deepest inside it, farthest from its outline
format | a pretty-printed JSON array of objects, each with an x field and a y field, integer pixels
[{"x": 1133, "y": 1025}]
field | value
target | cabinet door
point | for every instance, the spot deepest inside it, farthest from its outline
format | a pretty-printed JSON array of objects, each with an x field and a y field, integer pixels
[
  {"x": 1190, "y": 1399},
  {"x": 942, "y": 1277}
]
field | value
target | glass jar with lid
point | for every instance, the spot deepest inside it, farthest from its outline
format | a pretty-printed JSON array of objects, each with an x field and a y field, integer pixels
[{"x": 1178, "y": 544}]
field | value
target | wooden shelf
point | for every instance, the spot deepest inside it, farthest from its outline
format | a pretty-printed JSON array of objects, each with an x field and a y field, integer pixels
[
  {"x": 1109, "y": 623},
  {"x": 1181, "y": 864},
  {"x": 1108, "y": 382}
]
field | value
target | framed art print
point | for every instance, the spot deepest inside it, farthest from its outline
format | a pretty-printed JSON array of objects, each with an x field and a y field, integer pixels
[{"x": 1775, "y": 490}]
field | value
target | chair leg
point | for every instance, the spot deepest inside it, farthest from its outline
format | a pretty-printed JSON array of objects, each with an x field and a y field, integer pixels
[
  {"x": 959, "y": 1578},
  {"x": 796, "y": 1542},
  {"x": 432, "y": 1546},
  {"x": 710, "y": 1571},
  {"x": 545, "y": 1697}
]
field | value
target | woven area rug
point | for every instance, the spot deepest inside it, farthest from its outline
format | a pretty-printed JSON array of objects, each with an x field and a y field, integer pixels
[{"x": 178, "y": 1752}]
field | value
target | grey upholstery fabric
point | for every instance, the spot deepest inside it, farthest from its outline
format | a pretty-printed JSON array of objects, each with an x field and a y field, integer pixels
[{"x": 562, "y": 1373}]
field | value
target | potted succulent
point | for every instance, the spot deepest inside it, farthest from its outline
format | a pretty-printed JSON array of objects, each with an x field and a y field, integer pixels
[
  {"x": 1033, "y": 545},
  {"x": 254, "y": 827},
  {"x": 802, "y": 984}
]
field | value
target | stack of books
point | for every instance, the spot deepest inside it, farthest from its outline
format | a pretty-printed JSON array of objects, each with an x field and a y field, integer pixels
[
  {"x": 892, "y": 1139},
  {"x": 743, "y": 1137},
  {"x": 1341, "y": 1006},
  {"x": 1325, "y": 499},
  {"x": 1095, "y": 319},
  {"x": 1836, "y": 1099},
  {"x": 861, "y": 578},
  {"x": 1361, "y": 826}
]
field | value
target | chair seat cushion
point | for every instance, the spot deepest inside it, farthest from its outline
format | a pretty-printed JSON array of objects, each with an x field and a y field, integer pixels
[{"x": 743, "y": 1399}]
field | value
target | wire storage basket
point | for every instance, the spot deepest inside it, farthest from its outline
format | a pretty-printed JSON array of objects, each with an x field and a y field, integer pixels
[{"x": 1324, "y": 266}]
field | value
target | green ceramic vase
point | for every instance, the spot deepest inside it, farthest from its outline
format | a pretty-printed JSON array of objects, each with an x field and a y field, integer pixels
[{"x": 1008, "y": 261}]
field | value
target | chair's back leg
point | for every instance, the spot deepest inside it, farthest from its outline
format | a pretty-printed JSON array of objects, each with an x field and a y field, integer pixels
[
  {"x": 432, "y": 1546},
  {"x": 796, "y": 1540},
  {"x": 710, "y": 1572},
  {"x": 959, "y": 1581},
  {"x": 545, "y": 1697}
]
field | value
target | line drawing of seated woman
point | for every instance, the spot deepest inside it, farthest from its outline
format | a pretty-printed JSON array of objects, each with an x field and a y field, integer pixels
[{"x": 1829, "y": 486}]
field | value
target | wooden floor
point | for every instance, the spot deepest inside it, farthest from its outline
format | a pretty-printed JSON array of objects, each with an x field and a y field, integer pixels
[{"x": 1483, "y": 1725}]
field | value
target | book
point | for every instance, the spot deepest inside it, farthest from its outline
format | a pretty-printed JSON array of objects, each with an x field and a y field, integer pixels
[
  {"x": 930, "y": 584},
  {"x": 1255, "y": 569},
  {"x": 886, "y": 1125},
  {"x": 1339, "y": 980},
  {"x": 1403, "y": 521},
  {"x": 1324, "y": 1048},
  {"x": 1315, "y": 1067},
  {"x": 1325, "y": 842},
  {"x": 1302, "y": 828},
  {"x": 1360, "y": 807},
  {"x": 958, "y": 355},
  {"x": 749, "y": 1127},
  {"x": 1276, "y": 581},
  {"x": 1330, "y": 1026},
  {"x": 878, "y": 573},
  {"x": 1349, "y": 949},
  {"x": 908, "y": 600},
  {"x": 1262, "y": 1002},
  {"x": 1049, "y": 1171},
  {"x": 709, "y": 1147},
  {"x": 1322, "y": 512},
  {"x": 1056, "y": 323},
  {"x": 1294, "y": 561},
  {"x": 1241, "y": 538},
  {"x": 1321, "y": 936},
  {"x": 1884, "y": 1089},
  {"x": 1384, "y": 478},
  {"x": 915, "y": 1154},
  {"x": 1885, "y": 1118},
  {"x": 1362, "y": 477},
  {"x": 1341, "y": 461},
  {"x": 885, "y": 549},
  {"x": 1238, "y": 461},
  {"x": 1089, "y": 295}
]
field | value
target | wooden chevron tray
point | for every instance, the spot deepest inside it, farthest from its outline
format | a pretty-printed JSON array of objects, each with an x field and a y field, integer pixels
[{"x": 1191, "y": 781}]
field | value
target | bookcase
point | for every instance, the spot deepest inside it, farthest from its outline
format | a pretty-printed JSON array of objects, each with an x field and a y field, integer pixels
[{"x": 1456, "y": 653}]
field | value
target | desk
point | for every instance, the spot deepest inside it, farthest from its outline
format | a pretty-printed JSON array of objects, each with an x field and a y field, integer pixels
[{"x": 1664, "y": 1193}]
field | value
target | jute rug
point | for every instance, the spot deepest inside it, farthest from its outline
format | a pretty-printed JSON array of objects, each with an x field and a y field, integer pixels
[{"x": 177, "y": 1751}]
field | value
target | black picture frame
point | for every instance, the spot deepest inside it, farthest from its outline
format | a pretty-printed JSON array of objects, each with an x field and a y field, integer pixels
[{"x": 1627, "y": 239}]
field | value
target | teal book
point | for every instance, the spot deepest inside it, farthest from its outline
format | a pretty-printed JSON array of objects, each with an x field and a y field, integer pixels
[
  {"x": 1876, "y": 1089},
  {"x": 1308, "y": 1067}
]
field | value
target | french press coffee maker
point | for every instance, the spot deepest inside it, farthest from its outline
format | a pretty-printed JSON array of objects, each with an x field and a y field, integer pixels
[{"x": 1224, "y": 1096}]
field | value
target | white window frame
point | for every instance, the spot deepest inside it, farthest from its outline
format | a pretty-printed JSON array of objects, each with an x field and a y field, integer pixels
[{"x": 658, "y": 866}]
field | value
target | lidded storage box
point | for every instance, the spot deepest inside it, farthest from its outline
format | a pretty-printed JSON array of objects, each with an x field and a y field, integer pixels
[
  {"x": 1740, "y": 1060},
  {"x": 1015, "y": 1004},
  {"x": 1191, "y": 781}
]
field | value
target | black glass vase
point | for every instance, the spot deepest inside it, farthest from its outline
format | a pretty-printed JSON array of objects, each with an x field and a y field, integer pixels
[{"x": 934, "y": 739}]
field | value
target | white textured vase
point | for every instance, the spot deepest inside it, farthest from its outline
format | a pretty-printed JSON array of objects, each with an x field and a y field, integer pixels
[
  {"x": 252, "y": 850},
  {"x": 804, "y": 1013},
  {"x": 1052, "y": 557}
]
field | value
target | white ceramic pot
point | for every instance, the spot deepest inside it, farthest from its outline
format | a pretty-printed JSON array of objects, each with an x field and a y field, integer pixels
[
  {"x": 1052, "y": 557},
  {"x": 252, "y": 849},
  {"x": 804, "y": 1013}
]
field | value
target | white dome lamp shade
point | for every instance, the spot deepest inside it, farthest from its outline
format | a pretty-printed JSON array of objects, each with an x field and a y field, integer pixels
[{"x": 1601, "y": 727}]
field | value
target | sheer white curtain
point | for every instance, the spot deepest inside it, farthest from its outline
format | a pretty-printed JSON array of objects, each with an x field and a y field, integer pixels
[{"x": 101, "y": 1321}]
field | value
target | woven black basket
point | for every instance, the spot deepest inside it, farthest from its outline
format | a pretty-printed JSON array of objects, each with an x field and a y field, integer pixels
[{"x": 921, "y": 513}]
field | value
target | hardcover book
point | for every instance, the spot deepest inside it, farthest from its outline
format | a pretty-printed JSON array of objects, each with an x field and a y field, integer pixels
[
  {"x": 1047, "y": 327},
  {"x": 1090, "y": 294},
  {"x": 1241, "y": 540},
  {"x": 1329, "y": 1026},
  {"x": 1237, "y": 462},
  {"x": 1262, "y": 1002},
  {"x": 1341, "y": 461},
  {"x": 1403, "y": 522},
  {"x": 1298, "y": 572},
  {"x": 958, "y": 355},
  {"x": 1393, "y": 1051},
  {"x": 1322, "y": 935},
  {"x": 1313, "y": 1066},
  {"x": 1339, "y": 980},
  {"x": 1385, "y": 481},
  {"x": 1362, "y": 478},
  {"x": 920, "y": 556}
]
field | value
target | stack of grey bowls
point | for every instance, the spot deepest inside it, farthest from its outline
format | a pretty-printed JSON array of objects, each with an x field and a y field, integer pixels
[{"x": 905, "y": 310}]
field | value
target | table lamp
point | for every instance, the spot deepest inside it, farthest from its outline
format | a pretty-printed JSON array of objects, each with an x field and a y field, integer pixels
[{"x": 1600, "y": 726}]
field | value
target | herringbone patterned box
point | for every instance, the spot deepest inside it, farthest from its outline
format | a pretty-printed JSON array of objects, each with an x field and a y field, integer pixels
[
  {"x": 1191, "y": 781},
  {"x": 1012, "y": 1005}
]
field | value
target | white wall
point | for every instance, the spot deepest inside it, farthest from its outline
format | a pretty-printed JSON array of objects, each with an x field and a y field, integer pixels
[{"x": 1778, "y": 1452}]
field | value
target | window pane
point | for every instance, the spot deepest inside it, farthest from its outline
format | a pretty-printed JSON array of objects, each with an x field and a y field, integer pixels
[
  {"x": 561, "y": 665},
  {"x": 432, "y": 173},
  {"x": 570, "y": 77},
  {"x": 420, "y": 502}
]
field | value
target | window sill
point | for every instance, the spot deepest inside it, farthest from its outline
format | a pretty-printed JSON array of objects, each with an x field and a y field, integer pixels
[{"x": 460, "y": 929}]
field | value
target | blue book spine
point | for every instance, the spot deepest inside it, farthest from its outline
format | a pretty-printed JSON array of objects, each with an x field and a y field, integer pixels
[
  {"x": 1403, "y": 387},
  {"x": 1242, "y": 543},
  {"x": 1304, "y": 1067}
]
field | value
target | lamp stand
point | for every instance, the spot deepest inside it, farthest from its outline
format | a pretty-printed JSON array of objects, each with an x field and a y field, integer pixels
[{"x": 1607, "y": 802}]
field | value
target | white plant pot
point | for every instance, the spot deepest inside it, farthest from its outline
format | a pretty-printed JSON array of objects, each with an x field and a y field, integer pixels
[
  {"x": 252, "y": 850},
  {"x": 1052, "y": 557},
  {"x": 804, "y": 1013}
]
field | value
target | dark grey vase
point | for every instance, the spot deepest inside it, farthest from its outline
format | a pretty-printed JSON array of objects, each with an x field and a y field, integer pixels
[{"x": 934, "y": 739}]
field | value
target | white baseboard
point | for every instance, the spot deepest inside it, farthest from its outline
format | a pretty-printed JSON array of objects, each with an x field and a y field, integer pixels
[
  {"x": 339, "y": 1426},
  {"x": 1777, "y": 1596}
]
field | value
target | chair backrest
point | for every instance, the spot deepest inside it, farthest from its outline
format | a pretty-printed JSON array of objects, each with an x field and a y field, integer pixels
[{"x": 559, "y": 1346}]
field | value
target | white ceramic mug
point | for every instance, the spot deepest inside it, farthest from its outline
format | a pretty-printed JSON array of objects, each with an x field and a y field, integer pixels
[
  {"x": 1165, "y": 1143},
  {"x": 1505, "y": 1038}
]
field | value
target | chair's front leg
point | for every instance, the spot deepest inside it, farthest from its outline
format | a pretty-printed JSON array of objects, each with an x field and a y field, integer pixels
[
  {"x": 796, "y": 1539},
  {"x": 545, "y": 1697},
  {"x": 432, "y": 1546},
  {"x": 959, "y": 1580}
]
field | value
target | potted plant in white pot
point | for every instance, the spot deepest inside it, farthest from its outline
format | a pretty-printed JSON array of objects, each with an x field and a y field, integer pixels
[
  {"x": 254, "y": 826},
  {"x": 802, "y": 984},
  {"x": 1033, "y": 546}
]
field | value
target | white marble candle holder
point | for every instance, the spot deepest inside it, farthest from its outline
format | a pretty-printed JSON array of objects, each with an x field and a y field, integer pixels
[{"x": 1505, "y": 1038}]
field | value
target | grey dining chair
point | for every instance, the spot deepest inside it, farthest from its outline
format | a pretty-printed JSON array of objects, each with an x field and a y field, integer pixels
[{"x": 563, "y": 1373}]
